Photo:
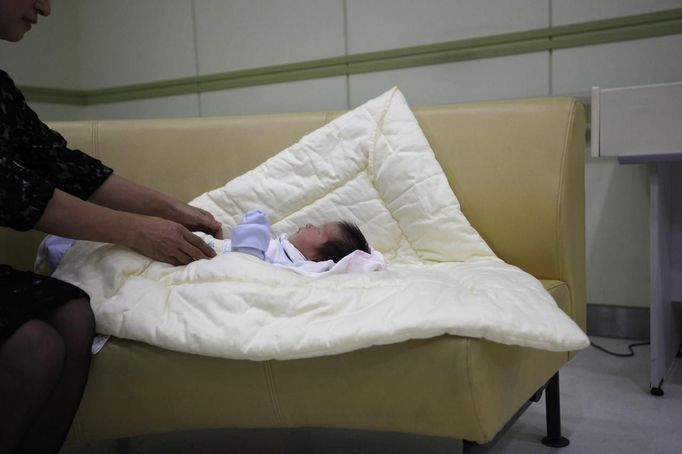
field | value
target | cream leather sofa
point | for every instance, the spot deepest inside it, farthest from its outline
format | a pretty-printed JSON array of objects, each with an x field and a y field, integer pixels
[{"x": 517, "y": 168}]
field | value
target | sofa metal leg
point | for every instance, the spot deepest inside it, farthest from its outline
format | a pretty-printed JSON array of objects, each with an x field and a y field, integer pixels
[
  {"x": 553, "y": 413},
  {"x": 553, "y": 439}
]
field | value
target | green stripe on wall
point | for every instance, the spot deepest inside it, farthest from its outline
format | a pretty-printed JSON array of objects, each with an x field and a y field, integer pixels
[{"x": 576, "y": 35}]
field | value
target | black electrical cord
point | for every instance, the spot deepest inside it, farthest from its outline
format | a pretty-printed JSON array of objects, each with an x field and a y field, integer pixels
[{"x": 632, "y": 352}]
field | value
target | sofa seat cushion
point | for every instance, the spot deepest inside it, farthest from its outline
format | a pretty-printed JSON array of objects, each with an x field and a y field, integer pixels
[{"x": 449, "y": 386}]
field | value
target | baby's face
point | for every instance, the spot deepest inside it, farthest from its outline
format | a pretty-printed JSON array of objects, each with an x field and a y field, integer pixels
[{"x": 310, "y": 237}]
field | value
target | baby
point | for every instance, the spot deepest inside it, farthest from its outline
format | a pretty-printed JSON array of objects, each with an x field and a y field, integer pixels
[
  {"x": 331, "y": 241},
  {"x": 325, "y": 244}
]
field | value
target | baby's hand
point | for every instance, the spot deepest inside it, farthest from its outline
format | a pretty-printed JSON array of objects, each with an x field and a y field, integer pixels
[{"x": 256, "y": 217}]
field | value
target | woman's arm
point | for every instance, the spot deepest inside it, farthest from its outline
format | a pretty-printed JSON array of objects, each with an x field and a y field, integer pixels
[
  {"x": 159, "y": 239},
  {"x": 121, "y": 194}
]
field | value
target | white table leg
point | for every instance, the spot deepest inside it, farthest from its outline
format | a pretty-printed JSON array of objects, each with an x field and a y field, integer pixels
[{"x": 666, "y": 320}]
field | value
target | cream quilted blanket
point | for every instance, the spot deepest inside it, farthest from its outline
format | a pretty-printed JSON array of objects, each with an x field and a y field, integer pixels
[{"x": 374, "y": 166}]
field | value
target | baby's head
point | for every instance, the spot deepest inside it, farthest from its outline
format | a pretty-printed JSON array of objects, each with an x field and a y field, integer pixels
[{"x": 330, "y": 241}]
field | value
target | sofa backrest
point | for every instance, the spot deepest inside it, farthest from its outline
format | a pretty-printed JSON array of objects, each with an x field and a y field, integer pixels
[
  {"x": 518, "y": 169},
  {"x": 516, "y": 166}
]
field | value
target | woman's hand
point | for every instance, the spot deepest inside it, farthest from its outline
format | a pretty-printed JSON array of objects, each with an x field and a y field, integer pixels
[
  {"x": 121, "y": 194},
  {"x": 168, "y": 241},
  {"x": 159, "y": 239},
  {"x": 196, "y": 219}
]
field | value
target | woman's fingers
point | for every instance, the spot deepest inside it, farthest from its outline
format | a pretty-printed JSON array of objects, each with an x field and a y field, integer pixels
[
  {"x": 213, "y": 227},
  {"x": 196, "y": 248},
  {"x": 188, "y": 250},
  {"x": 197, "y": 219},
  {"x": 170, "y": 242}
]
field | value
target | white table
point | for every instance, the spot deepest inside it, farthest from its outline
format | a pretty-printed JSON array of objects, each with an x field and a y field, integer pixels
[{"x": 643, "y": 125}]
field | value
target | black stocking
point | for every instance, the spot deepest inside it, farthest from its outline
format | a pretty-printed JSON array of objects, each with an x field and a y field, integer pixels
[
  {"x": 72, "y": 327},
  {"x": 31, "y": 362}
]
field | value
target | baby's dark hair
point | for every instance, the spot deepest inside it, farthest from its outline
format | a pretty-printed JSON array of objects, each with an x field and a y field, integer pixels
[{"x": 351, "y": 240}]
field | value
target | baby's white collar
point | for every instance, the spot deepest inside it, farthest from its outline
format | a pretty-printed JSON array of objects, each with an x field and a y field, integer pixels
[{"x": 290, "y": 250}]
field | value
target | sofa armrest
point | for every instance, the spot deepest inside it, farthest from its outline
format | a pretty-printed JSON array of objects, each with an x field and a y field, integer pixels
[{"x": 517, "y": 168}]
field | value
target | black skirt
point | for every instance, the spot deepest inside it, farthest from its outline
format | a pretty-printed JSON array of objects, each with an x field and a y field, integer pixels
[{"x": 25, "y": 295}]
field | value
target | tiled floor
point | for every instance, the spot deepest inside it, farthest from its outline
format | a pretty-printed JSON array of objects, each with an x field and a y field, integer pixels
[
  {"x": 605, "y": 402},
  {"x": 607, "y": 408}
]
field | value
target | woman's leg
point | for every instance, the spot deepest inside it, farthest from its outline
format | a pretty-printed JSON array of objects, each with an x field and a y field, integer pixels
[
  {"x": 31, "y": 362},
  {"x": 75, "y": 324}
]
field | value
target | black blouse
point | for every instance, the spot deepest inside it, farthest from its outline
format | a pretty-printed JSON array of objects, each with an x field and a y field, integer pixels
[{"x": 34, "y": 160}]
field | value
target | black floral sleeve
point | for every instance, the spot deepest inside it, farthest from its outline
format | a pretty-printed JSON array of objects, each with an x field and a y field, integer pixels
[{"x": 34, "y": 160}]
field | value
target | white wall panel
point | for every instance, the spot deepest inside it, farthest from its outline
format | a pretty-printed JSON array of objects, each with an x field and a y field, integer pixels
[
  {"x": 638, "y": 62},
  {"x": 57, "y": 112},
  {"x": 169, "y": 106},
  {"x": 49, "y": 55},
  {"x": 241, "y": 34},
  {"x": 617, "y": 232},
  {"x": 130, "y": 42},
  {"x": 302, "y": 96},
  {"x": 495, "y": 78},
  {"x": 388, "y": 24},
  {"x": 574, "y": 11}
]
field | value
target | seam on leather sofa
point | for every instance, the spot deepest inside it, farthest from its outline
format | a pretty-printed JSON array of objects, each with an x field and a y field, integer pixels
[
  {"x": 556, "y": 285},
  {"x": 474, "y": 408},
  {"x": 560, "y": 212},
  {"x": 562, "y": 178},
  {"x": 272, "y": 391},
  {"x": 562, "y": 284}
]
